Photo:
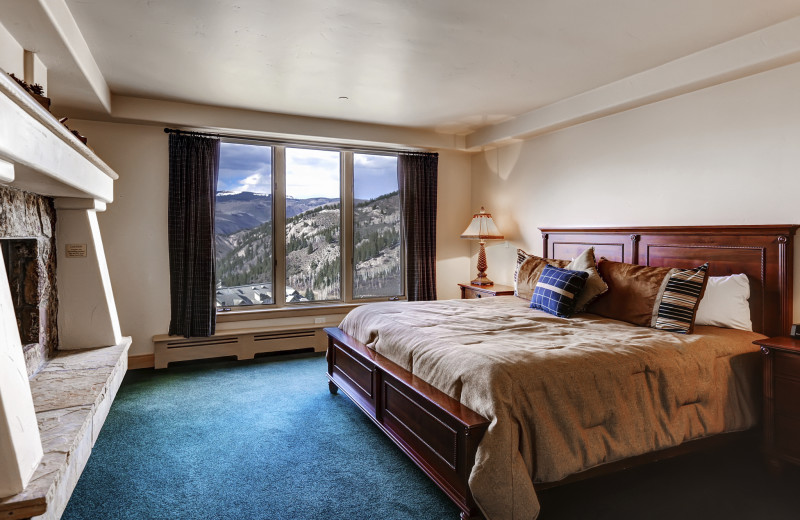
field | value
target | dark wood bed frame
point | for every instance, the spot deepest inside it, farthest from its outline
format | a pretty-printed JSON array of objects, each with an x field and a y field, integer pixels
[{"x": 441, "y": 435}]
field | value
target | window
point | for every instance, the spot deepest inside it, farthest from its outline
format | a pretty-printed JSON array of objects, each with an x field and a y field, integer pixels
[
  {"x": 311, "y": 224},
  {"x": 376, "y": 226},
  {"x": 243, "y": 222}
]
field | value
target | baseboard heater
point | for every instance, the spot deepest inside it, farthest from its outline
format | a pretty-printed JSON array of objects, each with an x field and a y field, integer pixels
[{"x": 242, "y": 343}]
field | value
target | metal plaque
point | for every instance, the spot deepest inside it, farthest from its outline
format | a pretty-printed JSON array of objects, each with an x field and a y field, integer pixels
[{"x": 76, "y": 250}]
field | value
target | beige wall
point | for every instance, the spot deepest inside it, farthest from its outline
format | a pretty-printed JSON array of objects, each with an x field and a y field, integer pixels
[
  {"x": 455, "y": 210},
  {"x": 134, "y": 228},
  {"x": 728, "y": 154},
  {"x": 135, "y": 233},
  {"x": 11, "y": 54}
]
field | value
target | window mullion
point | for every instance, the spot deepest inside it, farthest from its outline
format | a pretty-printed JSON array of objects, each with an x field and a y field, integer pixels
[
  {"x": 279, "y": 218},
  {"x": 347, "y": 225}
]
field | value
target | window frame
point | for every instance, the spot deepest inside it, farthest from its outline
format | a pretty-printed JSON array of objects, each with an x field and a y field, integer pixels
[{"x": 346, "y": 235}]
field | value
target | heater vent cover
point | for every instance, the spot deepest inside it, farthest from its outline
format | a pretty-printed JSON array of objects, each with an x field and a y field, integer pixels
[{"x": 242, "y": 343}]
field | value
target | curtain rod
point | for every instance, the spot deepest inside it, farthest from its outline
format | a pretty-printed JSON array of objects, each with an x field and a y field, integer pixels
[
  {"x": 189, "y": 132},
  {"x": 299, "y": 142}
]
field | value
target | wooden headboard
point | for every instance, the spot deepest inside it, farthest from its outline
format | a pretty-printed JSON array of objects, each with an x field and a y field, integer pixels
[{"x": 763, "y": 253}]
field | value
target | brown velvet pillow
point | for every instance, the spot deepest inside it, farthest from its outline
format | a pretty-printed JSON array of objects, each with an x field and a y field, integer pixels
[
  {"x": 632, "y": 291},
  {"x": 528, "y": 272},
  {"x": 659, "y": 297}
]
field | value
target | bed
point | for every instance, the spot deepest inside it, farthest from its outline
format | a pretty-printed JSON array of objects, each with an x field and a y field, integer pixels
[{"x": 430, "y": 405}]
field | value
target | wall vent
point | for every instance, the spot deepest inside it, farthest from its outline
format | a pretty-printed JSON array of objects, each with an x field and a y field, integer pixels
[{"x": 202, "y": 342}]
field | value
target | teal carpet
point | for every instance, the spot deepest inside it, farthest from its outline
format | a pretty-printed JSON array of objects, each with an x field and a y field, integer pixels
[
  {"x": 265, "y": 439},
  {"x": 247, "y": 440}
]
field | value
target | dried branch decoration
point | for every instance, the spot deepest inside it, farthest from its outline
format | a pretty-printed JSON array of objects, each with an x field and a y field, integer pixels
[{"x": 33, "y": 89}]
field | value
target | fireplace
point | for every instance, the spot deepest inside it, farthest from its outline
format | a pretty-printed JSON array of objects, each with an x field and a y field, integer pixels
[
  {"x": 62, "y": 354},
  {"x": 28, "y": 249}
]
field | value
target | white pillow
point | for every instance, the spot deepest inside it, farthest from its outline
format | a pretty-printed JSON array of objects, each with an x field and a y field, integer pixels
[{"x": 724, "y": 303}]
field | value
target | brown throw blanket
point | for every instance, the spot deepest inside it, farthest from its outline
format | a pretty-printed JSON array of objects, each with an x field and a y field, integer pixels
[{"x": 564, "y": 395}]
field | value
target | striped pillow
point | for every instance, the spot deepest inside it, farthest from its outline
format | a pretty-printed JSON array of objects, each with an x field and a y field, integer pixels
[
  {"x": 678, "y": 299},
  {"x": 557, "y": 290}
]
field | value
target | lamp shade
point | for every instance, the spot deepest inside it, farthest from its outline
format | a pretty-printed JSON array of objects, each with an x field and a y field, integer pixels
[{"x": 482, "y": 227}]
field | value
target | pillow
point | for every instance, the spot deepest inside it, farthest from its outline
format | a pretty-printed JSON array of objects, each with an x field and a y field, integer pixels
[
  {"x": 725, "y": 303},
  {"x": 525, "y": 277},
  {"x": 679, "y": 299},
  {"x": 659, "y": 297},
  {"x": 557, "y": 290},
  {"x": 595, "y": 286}
]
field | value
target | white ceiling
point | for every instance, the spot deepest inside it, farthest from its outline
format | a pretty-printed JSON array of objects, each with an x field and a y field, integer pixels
[{"x": 449, "y": 65}]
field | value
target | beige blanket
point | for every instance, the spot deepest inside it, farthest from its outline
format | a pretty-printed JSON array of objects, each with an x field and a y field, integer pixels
[{"x": 564, "y": 395}]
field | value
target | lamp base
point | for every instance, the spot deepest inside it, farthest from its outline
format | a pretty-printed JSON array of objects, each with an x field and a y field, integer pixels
[{"x": 482, "y": 279}]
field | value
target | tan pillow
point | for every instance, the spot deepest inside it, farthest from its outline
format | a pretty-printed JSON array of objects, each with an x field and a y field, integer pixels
[
  {"x": 528, "y": 272},
  {"x": 659, "y": 297},
  {"x": 595, "y": 286}
]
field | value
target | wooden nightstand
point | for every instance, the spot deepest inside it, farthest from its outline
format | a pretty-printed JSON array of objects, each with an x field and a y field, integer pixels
[
  {"x": 469, "y": 291},
  {"x": 781, "y": 399}
]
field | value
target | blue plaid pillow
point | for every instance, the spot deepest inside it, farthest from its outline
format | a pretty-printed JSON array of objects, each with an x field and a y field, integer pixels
[{"x": 556, "y": 290}]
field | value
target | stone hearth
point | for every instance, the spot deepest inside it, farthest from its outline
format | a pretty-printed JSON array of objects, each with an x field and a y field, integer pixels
[{"x": 72, "y": 395}]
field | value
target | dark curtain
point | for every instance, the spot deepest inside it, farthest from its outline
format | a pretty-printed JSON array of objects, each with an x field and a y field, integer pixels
[
  {"x": 193, "y": 170},
  {"x": 417, "y": 175}
]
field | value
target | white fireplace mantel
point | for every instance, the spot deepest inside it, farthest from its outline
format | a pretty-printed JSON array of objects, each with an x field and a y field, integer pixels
[{"x": 40, "y": 155}]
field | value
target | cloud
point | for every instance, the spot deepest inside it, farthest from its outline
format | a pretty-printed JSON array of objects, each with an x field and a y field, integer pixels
[
  {"x": 309, "y": 173},
  {"x": 257, "y": 183},
  {"x": 375, "y": 164},
  {"x": 245, "y": 167},
  {"x": 312, "y": 173},
  {"x": 373, "y": 175}
]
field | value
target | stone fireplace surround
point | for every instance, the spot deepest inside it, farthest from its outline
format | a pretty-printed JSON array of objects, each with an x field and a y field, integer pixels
[
  {"x": 56, "y": 391},
  {"x": 27, "y": 234}
]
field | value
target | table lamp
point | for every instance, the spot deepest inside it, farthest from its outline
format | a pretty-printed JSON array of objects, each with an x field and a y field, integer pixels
[{"x": 482, "y": 228}]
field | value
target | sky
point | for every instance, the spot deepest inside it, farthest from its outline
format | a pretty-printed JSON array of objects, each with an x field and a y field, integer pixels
[
  {"x": 309, "y": 173},
  {"x": 373, "y": 175}
]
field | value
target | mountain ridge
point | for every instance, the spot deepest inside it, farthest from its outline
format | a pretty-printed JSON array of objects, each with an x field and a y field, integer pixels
[{"x": 313, "y": 261}]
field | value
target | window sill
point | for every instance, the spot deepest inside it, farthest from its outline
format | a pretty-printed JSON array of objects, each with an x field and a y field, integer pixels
[{"x": 288, "y": 311}]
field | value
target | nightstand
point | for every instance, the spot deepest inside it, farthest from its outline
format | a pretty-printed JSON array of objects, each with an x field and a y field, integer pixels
[
  {"x": 469, "y": 291},
  {"x": 781, "y": 399}
]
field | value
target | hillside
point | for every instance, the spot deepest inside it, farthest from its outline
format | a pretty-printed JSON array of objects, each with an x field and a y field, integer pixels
[
  {"x": 312, "y": 249},
  {"x": 376, "y": 226},
  {"x": 245, "y": 210}
]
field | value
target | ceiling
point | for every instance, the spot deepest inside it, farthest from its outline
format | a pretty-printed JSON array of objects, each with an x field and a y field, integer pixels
[{"x": 447, "y": 65}]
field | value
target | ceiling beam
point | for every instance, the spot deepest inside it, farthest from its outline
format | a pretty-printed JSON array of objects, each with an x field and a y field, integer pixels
[
  {"x": 48, "y": 28},
  {"x": 64, "y": 23},
  {"x": 760, "y": 51},
  {"x": 254, "y": 123}
]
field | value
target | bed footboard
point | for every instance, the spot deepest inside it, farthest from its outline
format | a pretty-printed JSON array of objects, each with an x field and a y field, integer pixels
[{"x": 436, "y": 431}]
